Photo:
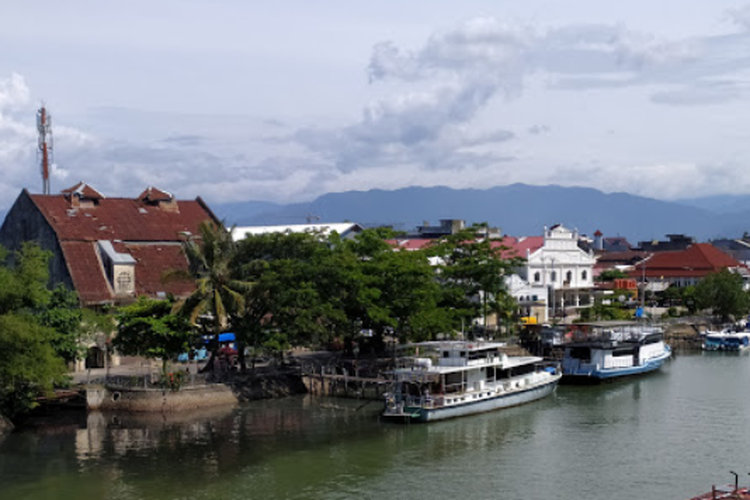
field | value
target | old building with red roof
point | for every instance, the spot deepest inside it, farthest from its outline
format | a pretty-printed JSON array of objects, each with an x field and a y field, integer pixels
[
  {"x": 685, "y": 267},
  {"x": 109, "y": 250}
]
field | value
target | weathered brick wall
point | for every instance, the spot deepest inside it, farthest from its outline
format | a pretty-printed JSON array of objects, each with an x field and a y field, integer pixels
[{"x": 156, "y": 400}]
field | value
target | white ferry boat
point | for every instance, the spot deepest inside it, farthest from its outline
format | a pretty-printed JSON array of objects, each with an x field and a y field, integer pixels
[
  {"x": 462, "y": 378},
  {"x": 611, "y": 349}
]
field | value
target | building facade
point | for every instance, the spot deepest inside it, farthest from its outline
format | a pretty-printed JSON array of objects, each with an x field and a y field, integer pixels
[{"x": 558, "y": 276}]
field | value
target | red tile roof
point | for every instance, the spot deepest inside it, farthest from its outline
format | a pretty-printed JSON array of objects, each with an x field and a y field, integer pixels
[
  {"x": 151, "y": 235},
  {"x": 696, "y": 261},
  {"x": 520, "y": 246}
]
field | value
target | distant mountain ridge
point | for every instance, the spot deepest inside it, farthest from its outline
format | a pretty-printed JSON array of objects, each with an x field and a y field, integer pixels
[{"x": 518, "y": 209}]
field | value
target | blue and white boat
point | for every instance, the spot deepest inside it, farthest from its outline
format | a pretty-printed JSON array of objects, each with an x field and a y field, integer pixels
[
  {"x": 726, "y": 340},
  {"x": 457, "y": 378},
  {"x": 612, "y": 350}
]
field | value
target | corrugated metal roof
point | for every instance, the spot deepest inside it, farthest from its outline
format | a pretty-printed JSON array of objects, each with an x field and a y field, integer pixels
[
  {"x": 135, "y": 230},
  {"x": 120, "y": 219},
  {"x": 325, "y": 228}
]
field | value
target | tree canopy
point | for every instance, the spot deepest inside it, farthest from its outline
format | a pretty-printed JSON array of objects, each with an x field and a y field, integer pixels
[
  {"x": 723, "y": 293},
  {"x": 149, "y": 328},
  {"x": 29, "y": 363}
]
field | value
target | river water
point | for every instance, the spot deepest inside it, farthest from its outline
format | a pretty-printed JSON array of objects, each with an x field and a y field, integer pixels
[{"x": 668, "y": 435}]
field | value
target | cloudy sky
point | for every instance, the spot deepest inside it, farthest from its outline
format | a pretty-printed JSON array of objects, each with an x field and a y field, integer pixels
[{"x": 284, "y": 101}]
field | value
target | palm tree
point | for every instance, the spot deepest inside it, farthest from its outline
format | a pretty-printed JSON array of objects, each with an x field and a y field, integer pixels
[{"x": 218, "y": 295}]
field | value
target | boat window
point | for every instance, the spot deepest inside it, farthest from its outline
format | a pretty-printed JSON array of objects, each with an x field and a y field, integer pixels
[
  {"x": 582, "y": 353},
  {"x": 624, "y": 351},
  {"x": 522, "y": 370},
  {"x": 446, "y": 354}
]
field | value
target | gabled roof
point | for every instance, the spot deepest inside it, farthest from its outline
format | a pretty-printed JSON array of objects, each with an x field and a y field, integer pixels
[
  {"x": 412, "y": 243},
  {"x": 152, "y": 194},
  {"x": 136, "y": 232},
  {"x": 520, "y": 246},
  {"x": 83, "y": 190},
  {"x": 696, "y": 261}
]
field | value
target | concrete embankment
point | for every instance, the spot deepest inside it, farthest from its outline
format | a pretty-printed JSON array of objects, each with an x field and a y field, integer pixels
[{"x": 129, "y": 399}]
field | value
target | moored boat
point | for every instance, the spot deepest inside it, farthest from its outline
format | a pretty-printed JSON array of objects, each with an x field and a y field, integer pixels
[
  {"x": 462, "y": 378},
  {"x": 726, "y": 340},
  {"x": 620, "y": 350}
]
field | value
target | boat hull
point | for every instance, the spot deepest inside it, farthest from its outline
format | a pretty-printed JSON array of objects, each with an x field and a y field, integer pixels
[{"x": 504, "y": 400}]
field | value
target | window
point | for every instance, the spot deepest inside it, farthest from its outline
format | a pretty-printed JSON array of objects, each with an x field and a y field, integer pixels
[
  {"x": 124, "y": 281},
  {"x": 553, "y": 276},
  {"x": 537, "y": 277},
  {"x": 569, "y": 276},
  {"x": 584, "y": 275}
]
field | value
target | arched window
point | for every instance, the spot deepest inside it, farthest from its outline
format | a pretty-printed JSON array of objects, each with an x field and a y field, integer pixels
[
  {"x": 569, "y": 276},
  {"x": 553, "y": 276},
  {"x": 537, "y": 277},
  {"x": 584, "y": 275}
]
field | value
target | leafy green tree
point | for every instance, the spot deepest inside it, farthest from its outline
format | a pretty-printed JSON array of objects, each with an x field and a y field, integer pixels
[
  {"x": 723, "y": 293},
  {"x": 399, "y": 288},
  {"x": 149, "y": 328},
  {"x": 291, "y": 273},
  {"x": 29, "y": 366},
  {"x": 23, "y": 285},
  {"x": 688, "y": 299},
  {"x": 472, "y": 274},
  {"x": 611, "y": 275},
  {"x": 64, "y": 315}
]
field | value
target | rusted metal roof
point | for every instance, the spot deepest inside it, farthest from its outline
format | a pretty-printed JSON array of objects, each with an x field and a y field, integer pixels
[
  {"x": 120, "y": 219},
  {"x": 151, "y": 235}
]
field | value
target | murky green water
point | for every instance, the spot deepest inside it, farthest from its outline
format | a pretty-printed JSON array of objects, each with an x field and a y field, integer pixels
[{"x": 666, "y": 436}]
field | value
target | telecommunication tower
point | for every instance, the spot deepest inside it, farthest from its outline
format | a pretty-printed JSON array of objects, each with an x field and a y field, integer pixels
[{"x": 44, "y": 126}]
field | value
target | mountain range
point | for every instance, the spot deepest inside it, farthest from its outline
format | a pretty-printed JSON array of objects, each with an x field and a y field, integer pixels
[{"x": 518, "y": 209}]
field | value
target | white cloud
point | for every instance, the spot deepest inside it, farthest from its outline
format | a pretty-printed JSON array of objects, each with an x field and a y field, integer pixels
[{"x": 483, "y": 102}]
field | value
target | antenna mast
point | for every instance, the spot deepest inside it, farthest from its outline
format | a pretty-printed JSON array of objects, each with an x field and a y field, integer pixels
[{"x": 44, "y": 126}]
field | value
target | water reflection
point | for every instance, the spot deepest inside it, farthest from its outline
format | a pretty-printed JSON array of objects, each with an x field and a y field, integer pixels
[{"x": 663, "y": 436}]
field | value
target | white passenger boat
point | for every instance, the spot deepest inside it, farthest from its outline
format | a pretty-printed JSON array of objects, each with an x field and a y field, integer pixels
[
  {"x": 456, "y": 378},
  {"x": 612, "y": 349}
]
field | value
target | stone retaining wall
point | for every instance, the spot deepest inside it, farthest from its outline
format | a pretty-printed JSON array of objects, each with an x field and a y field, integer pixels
[{"x": 158, "y": 400}]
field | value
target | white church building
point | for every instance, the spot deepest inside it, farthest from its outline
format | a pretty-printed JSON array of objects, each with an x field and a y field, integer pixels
[{"x": 557, "y": 277}]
